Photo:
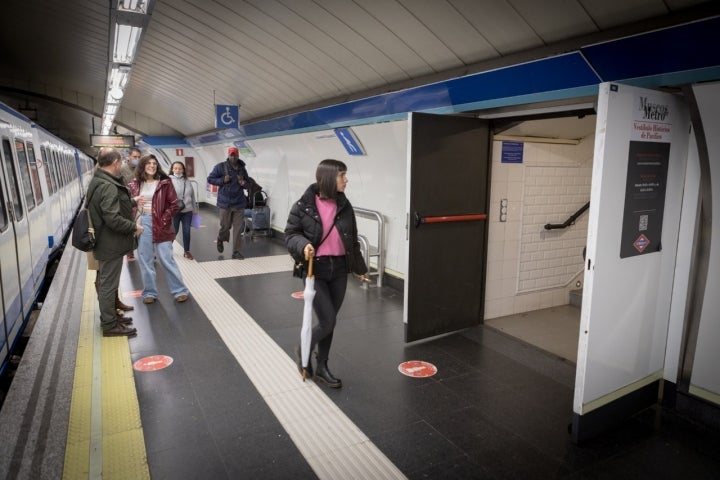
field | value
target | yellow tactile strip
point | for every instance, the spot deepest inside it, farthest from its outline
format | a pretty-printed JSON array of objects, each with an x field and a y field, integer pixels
[{"x": 120, "y": 450}]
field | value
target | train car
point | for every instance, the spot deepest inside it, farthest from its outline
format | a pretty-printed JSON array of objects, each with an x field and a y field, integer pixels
[{"x": 42, "y": 182}]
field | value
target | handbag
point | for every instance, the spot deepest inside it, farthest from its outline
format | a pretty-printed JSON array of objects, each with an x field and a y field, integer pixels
[
  {"x": 83, "y": 235},
  {"x": 196, "y": 220}
]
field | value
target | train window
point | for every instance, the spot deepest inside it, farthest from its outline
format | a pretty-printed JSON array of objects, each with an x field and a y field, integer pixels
[
  {"x": 32, "y": 161},
  {"x": 11, "y": 175},
  {"x": 48, "y": 173},
  {"x": 58, "y": 172},
  {"x": 3, "y": 211},
  {"x": 25, "y": 174}
]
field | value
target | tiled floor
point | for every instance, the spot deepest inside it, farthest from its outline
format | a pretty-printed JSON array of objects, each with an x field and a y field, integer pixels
[{"x": 498, "y": 408}]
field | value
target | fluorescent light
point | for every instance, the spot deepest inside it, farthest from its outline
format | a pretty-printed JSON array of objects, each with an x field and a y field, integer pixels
[
  {"x": 126, "y": 42},
  {"x": 119, "y": 77},
  {"x": 111, "y": 110},
  {"x": 139, "y": 6}
]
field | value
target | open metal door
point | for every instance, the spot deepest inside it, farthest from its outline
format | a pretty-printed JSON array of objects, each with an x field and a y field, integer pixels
[
  {"x": 641, "y": 148},
  {"x": 448, "y": 165}
]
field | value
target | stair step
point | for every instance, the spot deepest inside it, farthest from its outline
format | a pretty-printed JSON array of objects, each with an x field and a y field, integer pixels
[{"x": 576, "y": 297}]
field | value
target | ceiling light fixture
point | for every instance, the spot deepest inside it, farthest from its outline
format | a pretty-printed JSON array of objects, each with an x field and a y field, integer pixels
[
  {"x": 128, "y": 21},
  {"x": 127, "y": 38}
]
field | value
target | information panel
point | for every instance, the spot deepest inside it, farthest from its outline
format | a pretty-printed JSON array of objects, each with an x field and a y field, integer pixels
[
  {"x": 118, "y": 141},
  {"x": 644, "y": 198}
]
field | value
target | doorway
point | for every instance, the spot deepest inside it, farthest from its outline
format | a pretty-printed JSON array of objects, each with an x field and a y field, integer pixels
[{"x": 541, "y": 175}]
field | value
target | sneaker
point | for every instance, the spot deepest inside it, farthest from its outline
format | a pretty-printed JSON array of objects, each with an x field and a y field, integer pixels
[
  {"x": 237, "y": 256},
  {"x": 189, "y": 256},
  {"x": 220, "y": 246},
  {"x": 149, "y": 300},
  {"x": 120, "y": 330},
  {"x": 181, "y": 298}
]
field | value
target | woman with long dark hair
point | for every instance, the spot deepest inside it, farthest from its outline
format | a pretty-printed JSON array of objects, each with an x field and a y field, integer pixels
[
  {"x": 156, "y": 218},
  {"x": 322, "y": 224}
]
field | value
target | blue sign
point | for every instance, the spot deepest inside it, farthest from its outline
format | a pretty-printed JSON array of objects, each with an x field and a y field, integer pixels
[
  {"x": 349, "y": 141},
  {"x": 512, "y": 152},
  {"x": 227, "y": 116}
]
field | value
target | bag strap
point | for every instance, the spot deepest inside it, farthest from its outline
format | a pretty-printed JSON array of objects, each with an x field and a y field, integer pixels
[
  {"x": 87, "y": 212},
  {"x": 326, "y": 235}
]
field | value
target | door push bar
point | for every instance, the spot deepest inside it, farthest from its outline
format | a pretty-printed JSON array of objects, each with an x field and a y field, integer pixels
[{"x": 448, "y": 218}]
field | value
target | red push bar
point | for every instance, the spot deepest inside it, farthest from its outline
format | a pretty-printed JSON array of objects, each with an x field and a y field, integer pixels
[{"x": 449, "y": 218}]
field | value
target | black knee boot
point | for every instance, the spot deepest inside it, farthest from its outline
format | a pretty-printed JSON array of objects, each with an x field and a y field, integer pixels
[{"x": 323, "y": 373}]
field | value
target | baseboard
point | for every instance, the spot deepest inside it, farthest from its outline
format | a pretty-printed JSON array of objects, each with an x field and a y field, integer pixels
[{"x": 613, "y": 414}]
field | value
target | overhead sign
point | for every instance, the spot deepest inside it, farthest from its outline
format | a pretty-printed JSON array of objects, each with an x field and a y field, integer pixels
[
  {"x": 227, "y": 116},
  {"x": 117, "y": 141},
  {"x": 244, "y": 149},
  {"x": 349, "y": 141}
]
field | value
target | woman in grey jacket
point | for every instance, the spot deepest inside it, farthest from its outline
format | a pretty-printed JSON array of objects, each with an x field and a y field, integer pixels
[
  {"x": 188, "y": 205},
  {"x": 322, "y": 224}
]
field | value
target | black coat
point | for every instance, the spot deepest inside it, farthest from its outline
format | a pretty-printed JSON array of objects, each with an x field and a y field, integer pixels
[{"x": 305, "y": 226}]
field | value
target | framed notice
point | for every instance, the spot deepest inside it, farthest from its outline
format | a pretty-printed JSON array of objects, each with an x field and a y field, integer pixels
[{"x": 644, "y": 198}]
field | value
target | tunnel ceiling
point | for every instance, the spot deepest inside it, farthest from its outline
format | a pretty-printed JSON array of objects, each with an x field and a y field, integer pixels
[{"x": 274, "y": 57}]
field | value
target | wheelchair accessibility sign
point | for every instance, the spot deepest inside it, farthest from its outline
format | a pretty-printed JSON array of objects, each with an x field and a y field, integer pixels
[{"x": 227, "y": 116}]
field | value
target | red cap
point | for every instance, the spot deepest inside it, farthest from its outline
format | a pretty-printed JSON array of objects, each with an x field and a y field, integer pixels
[{"x": 232, "y": 150}]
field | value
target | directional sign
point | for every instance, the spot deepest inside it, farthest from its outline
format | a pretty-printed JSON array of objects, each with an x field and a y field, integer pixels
[
  {"x": 417, "y": 369},
  {"x": 227, "y": 116},
  {"x": 349, "y": 141}
]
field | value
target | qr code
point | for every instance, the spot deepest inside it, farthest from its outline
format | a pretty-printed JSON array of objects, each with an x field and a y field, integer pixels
[{"x": 643, "y": 223}]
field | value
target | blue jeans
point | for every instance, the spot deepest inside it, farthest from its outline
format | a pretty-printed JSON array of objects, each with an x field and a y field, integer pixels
[
  {"x": 146, "y": 252},
  {"x": 186, "y": 219}
]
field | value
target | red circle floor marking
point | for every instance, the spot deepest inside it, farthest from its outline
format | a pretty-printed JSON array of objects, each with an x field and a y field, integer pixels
[
  {"x": 152, "y": 363},
  {"x": 299, "y": 295},
  {"x": 132, "y": 294},
  {"x": 417, "y": 369}
]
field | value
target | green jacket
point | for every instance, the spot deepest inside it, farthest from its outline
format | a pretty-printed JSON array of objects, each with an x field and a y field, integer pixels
[{"x": 111, "y": 211}]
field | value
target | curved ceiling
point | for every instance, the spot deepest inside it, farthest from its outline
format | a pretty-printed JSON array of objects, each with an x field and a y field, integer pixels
[{"x": 275, "y": 57}]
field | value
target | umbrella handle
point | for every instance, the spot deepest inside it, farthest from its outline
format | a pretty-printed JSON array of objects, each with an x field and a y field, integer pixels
[{"x": 310, "y": 266}]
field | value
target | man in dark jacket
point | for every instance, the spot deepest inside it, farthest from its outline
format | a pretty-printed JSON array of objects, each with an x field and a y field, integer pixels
[
  {"x": 231, "y": 178},
  {"x": 111, "y": 207}
]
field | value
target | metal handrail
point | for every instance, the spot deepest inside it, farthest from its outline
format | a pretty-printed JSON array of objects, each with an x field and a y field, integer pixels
[
  {"x": 377, "y": 216},
  {"x": 570, "y": 220}
]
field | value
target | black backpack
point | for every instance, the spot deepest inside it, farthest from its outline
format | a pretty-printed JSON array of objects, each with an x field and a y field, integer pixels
[{"x": 83, "y": 234}]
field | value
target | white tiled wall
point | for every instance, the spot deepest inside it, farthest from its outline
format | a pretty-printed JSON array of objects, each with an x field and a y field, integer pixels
[{"x": 529, "y": 267}]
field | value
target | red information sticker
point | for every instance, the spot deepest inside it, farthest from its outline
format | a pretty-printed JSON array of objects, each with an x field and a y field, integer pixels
[
  {"x": 417, "y": 369},
  {"x": 152, "y": 363}
]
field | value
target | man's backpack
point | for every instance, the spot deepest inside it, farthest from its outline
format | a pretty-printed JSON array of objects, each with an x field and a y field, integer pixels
[{"x": 83, "y": 235}]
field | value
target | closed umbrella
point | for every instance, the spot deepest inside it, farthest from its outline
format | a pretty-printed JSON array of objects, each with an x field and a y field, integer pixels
[{"x": 306, "y": 330}]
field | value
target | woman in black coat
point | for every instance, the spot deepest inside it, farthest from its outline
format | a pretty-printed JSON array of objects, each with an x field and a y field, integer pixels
[{"x": 322, "y": 224}]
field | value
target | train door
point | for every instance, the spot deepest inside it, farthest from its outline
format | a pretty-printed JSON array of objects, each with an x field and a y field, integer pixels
[
  {"x": 641, "y": 148},
  {"x": 15, "y": 244},
  {"x": 36, "y": 212},
  {"x": 448, "y": 166}
]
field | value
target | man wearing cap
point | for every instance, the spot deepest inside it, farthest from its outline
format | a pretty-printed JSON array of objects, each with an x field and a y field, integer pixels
[{"x": 231, "y": 177}]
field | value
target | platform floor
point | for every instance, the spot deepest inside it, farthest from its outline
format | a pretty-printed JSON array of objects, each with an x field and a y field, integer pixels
[{"x": 232, "y": 405}]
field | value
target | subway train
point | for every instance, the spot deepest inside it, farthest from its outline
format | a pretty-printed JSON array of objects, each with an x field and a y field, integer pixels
[{"x": 42, "y": 182}]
